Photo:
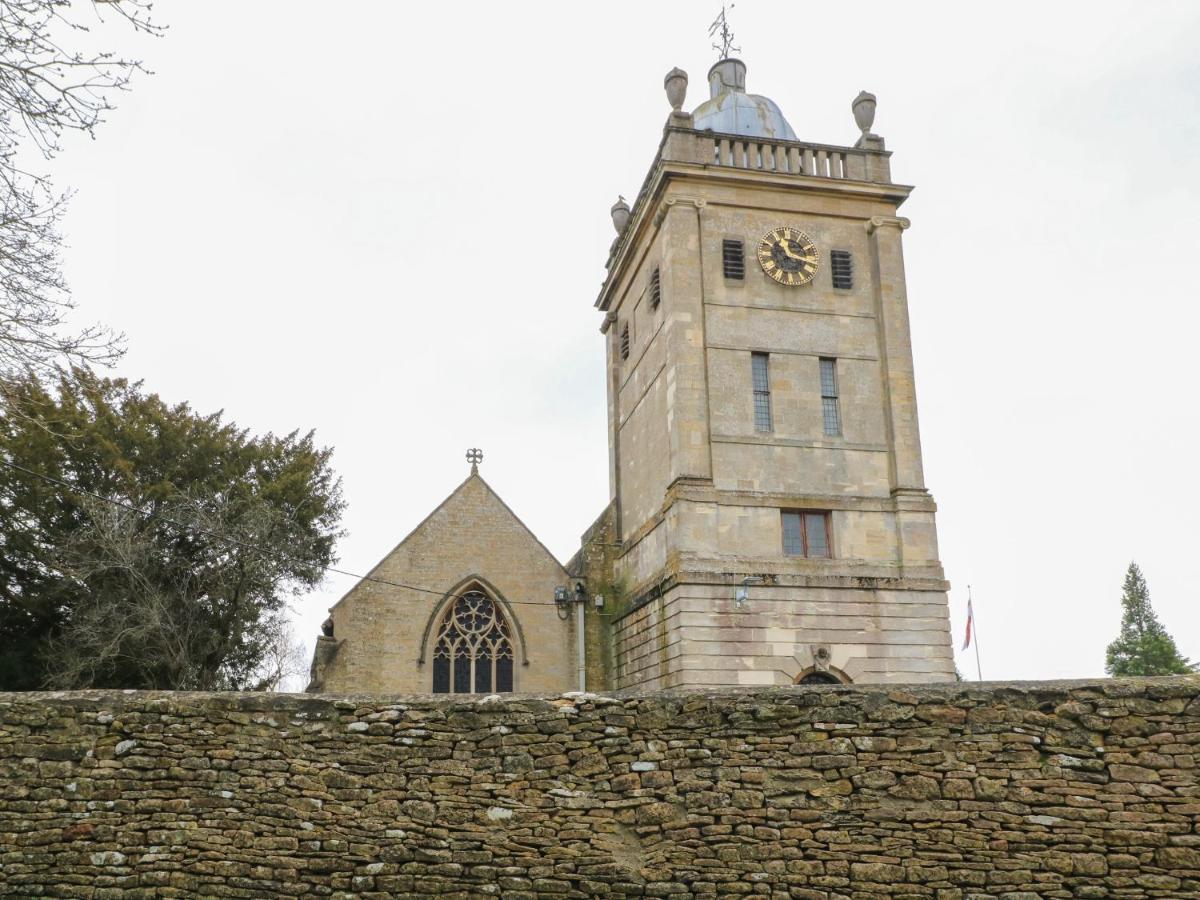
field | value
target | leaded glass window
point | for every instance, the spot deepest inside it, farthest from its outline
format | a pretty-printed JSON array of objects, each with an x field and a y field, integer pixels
[
  {"x": 473, "y": 651},
  {"x": 761, "y": 376},
  {"x": 830, "y": 408}
]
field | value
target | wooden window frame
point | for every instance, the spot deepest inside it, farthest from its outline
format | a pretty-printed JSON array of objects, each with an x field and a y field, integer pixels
[{"x": 802, "y": 515}]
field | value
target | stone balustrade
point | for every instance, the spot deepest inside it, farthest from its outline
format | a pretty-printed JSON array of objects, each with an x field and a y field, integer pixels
[{"x": 790, "y": 157}]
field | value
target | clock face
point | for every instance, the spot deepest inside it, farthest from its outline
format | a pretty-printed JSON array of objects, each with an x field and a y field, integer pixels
[{"x": 788, "y": 255}]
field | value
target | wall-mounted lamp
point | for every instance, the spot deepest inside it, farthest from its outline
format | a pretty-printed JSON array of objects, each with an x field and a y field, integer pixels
[{"x": 743, "y": 591}]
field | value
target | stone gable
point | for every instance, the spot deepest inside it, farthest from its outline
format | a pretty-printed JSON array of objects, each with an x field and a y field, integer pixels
[{"x": 472, "y": 540}]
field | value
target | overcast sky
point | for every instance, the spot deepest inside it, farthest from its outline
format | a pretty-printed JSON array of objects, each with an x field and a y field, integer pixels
[{"x": 388, "y": 223}]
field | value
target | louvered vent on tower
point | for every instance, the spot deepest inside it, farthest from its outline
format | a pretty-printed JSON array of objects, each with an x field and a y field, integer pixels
[
  {"x": 655, "y": 289},
  {"x": 734, "y": 259},
  {"x": 841, "y": 265}
]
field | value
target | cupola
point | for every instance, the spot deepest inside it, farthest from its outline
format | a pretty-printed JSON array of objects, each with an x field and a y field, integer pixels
[{"x": 730, "y": 110}]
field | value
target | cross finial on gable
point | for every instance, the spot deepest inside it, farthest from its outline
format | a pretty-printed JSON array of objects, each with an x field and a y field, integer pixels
[{"x": 474, "y": 457}]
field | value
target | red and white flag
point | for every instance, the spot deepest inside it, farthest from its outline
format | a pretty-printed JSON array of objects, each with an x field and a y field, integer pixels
[{"x": 970, "y": 625}]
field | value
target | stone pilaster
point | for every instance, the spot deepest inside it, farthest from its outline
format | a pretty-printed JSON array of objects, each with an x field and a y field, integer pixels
[
  {"x": 895, "y": 353},
  {"x": 686, "y": 368}
]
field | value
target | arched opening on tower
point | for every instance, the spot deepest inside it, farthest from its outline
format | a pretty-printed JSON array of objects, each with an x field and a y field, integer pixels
[
  {"x": 817, "y": 676},
  {"x": 473, "y": 650}
]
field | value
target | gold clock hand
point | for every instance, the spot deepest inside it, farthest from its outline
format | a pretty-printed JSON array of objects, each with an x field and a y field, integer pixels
[{"x": 788, "y": 253}]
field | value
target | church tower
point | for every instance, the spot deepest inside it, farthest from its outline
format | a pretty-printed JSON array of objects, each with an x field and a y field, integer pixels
[{"x": 769, "y": 520}]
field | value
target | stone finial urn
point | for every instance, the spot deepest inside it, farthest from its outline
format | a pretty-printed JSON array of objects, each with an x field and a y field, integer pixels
[
  {"x": 864, "y": 111},
  {"x": 620, "y": 214},
  {"x": 676, "y": 84}
]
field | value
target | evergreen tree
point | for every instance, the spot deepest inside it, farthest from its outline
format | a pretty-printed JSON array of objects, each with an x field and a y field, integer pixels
[
  {"x": 1144, "y": 647},
  {"x": 145, "y": 545}
]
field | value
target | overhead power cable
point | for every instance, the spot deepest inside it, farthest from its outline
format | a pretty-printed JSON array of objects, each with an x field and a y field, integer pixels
[{"x": 129, "y": 507}]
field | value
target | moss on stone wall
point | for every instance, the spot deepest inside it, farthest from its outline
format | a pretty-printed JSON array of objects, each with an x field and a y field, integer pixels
[
  {"x": 1069, "y": 789},
  {"x": 594, "y": 564}
]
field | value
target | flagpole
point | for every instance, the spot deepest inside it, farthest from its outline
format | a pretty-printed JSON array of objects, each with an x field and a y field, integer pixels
[{"x": 975, "y": 635}]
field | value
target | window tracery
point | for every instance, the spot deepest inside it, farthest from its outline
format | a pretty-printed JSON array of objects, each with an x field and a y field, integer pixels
[{"x": 473, "y": 650}]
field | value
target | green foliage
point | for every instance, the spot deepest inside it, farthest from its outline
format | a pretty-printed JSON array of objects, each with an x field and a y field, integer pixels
[
  {"x": 183, "y": 587},
  {"x": 1144, "y": 647}
]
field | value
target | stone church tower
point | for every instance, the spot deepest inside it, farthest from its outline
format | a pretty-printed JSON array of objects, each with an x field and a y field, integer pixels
[{"x": 769, "y": 521}]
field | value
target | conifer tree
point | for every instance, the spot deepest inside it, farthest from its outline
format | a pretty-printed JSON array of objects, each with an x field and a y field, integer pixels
[
  {"x": 1144, "y": 647},
  {"x": 146, "y": 545}
]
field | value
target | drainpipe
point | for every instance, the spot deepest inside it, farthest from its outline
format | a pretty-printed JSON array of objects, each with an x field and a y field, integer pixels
[{"x": 580, "y": 650}]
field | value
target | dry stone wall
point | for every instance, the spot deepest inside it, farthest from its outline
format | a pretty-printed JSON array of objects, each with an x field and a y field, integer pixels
[{"x": 1015, "y": 791}]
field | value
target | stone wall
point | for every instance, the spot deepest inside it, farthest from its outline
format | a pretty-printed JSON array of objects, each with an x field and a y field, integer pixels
[{"x": 1016, "y": 791}]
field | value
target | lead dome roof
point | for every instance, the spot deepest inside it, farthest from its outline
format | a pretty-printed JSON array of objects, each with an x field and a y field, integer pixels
[{"x": 730, "y": 110}]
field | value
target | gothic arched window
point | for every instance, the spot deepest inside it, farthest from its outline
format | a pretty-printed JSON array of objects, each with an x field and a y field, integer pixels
[{"x": 473, "y": 650}]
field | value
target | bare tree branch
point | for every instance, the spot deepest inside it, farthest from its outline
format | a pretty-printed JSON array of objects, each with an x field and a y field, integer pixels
[
  {"x": 47, "y": 89},
  {"x": 175, "y": 628}
]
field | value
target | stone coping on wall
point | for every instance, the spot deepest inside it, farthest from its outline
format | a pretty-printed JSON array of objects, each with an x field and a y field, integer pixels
[
  {"x": 1159, "y": 687},
  {"x": 959, "y": 791}
]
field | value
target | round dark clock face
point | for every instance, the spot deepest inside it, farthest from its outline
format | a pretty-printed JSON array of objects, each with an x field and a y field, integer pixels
[{"x": 788, "y": 255}]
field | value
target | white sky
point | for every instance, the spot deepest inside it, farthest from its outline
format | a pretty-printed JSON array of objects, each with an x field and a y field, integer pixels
[{"x": 389, "y": 222}]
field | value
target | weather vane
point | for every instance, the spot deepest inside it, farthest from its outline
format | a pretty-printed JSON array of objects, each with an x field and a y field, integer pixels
[
  {"x": 474, "y": 457},
  {"x": 720, "y": 29}
]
